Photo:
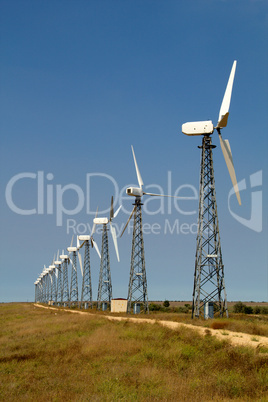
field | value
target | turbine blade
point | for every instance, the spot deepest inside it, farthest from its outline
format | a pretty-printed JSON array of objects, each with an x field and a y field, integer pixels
[
  {"x": 77, "y": 243},
  {"x": 94, "y": 224},
  {"x": 161, "y": 195},
  {"x": 224, "y": 110},
  {"x": 96, "y": 248},
  {"x": 137, "y": 169},
  {"x": 80, "y": 263},
  {"x": 112, "y": 208},
  {"x": 115, "y": 241},
  {"x": 116, "y": 212},
  {"x": 72, "y": 241},
  {"x": 227, "y": 153},
  {"x": 135, "y": 206}
]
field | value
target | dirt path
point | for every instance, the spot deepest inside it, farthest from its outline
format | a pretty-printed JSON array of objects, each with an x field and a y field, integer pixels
[{"x": 236, "y": 338}]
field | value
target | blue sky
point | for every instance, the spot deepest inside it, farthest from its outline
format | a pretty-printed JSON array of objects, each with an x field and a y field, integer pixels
[{"x": 83, "y": 80}]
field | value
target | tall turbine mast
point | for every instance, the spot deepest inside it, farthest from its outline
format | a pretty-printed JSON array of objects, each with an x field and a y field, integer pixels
[
  {"x": 137, "y": 288},
  {"x": 59, "y": 290},
  {"x": 65, "y": 286},
  {"x": 74, "y": 301},
  {"x": 105, "y": 280},
  {"x": 209, "y": 293},
  {"x": 86, "y": 292}
]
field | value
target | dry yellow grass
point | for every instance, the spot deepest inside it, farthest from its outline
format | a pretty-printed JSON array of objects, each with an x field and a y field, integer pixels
[{"x": 57, "y": 356}]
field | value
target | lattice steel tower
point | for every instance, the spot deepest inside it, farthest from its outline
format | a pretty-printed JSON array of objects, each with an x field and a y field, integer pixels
[
  {"x": 86, "y": 293},
  {"x": 105, "y": 282},
  {"x": 74, "y": 281},
  {"x": 59, "y": 280},
  {"x": 65, "y": 286},
  {"x": 137, "y": 288},
  {"x": 209, "y": 287}
]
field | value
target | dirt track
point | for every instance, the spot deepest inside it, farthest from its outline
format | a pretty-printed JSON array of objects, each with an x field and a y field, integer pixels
[{"x": 236, "y": 338}]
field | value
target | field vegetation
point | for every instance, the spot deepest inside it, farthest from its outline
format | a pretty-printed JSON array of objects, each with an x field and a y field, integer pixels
[
  {"x": 242, "y": 318},
  {"x": 52, "y": 355}
]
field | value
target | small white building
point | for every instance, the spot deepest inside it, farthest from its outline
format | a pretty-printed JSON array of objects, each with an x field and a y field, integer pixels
[{"x": 119, "y": 305}]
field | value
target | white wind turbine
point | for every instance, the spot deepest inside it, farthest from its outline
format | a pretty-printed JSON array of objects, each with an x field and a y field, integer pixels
[
  {"x": 137, "y": 289},
  {"x": 65, "y": 286},
  {"x": 74, "y": 279},
  {"x": 87, "y": 241},
  {"x": 105, "y": 281},
  {"x": 209, "y": 287}
]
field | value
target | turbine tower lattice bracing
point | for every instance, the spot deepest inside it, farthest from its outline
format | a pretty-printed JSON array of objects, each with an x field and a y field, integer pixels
[
  {"x": 48, "y": 286},
  {"x": 137, "y": 288},
  {"x": 59, "y": 286},
  {"x": 105, "y": 283},
  {"x": 86, "y": 293},
  {"x": 53, "y": 286},
  {"x": 74, "y": 282},
  {"x": 209, "y": 286},
  {"x": 65, "y": 286}
]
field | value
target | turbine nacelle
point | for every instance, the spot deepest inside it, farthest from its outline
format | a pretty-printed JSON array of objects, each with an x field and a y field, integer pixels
[
  {"x": 64, "y": 256},
  {"x": 198, "y": 128},
  {"x": 134, "y": 191},
  {"x": 101, "y": 221},
  {"x": 84, "y": 237},
  {"x": 71, "y": 249}
]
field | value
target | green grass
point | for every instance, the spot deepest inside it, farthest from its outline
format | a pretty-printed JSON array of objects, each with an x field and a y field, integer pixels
[{"x": 48, "y": 355}]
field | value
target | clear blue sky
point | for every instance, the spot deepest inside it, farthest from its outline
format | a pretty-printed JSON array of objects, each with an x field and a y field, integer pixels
[{"x": 83, "y": 80}]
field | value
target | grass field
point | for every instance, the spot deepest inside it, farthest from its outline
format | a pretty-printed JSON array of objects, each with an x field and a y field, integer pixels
[{"x": 48, "y": 355}]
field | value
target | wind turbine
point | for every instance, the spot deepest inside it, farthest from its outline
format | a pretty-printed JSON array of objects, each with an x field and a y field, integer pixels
[
  {"x": 65, "y": 286},
  {"x": 105, "y": 282},
  {"x": 137, "y": 288},
  {"x": 74, "y": 280},
  {"x": 58, "y": 273},
  {"x": 209, "y": 287},
  {"x": 37, "y": 291},
  {"x": 42, "y": 281},
  {"x": 47, "y": 282},
  {"x": 52, "y": 269},
  {"x": 86, "y": 292}
]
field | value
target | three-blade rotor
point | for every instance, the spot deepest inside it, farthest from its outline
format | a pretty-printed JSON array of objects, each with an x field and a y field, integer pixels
[
  {"x": 207, "y": 128},
  {"x": 138, "y": 191}
]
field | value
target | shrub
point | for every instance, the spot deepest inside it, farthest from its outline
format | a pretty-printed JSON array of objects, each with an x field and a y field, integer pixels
[
  {"x": 166, "y": 303},
  {"x": 264, "y": 310},
  {"x": 248, "y": 310},
  {"x": 182, "y": 309},
  {"x": 239, "y": 307},
  {"x": 154, "y": 307}
]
